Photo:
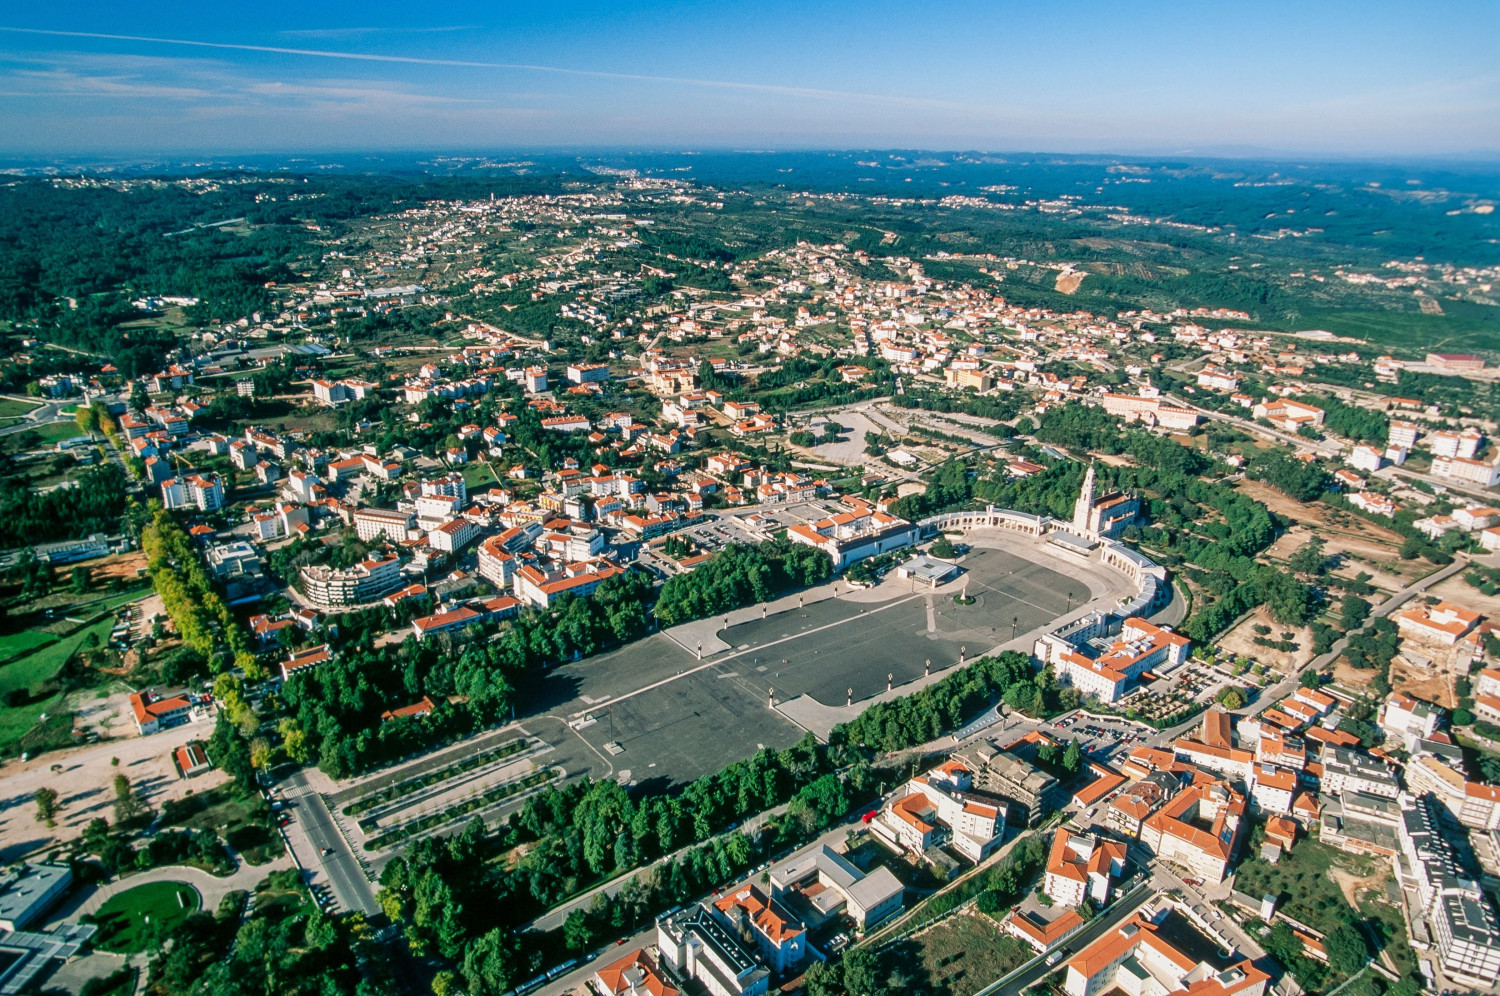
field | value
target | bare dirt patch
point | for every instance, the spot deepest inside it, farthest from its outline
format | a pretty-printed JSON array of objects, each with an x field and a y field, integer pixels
[
  {"x": 1350, "y": 884},
  {"x": 1430, "y": 686},
  {"x": 1364, "y": 545},
  {"x": 1240, "y": 641},
  {"x": 122, "y": 565},
  {"x": 1460, "y": 592},
  {"x": 1352, "y": 678},
  {"x": 1068, "y": 281}
]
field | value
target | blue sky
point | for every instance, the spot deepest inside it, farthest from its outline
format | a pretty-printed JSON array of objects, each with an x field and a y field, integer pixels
[{"x": 1369, "y": 79}]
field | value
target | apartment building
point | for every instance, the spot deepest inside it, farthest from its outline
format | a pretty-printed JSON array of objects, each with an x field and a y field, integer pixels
[
  {"x": 383, "y": 523},
  {"x": 453, "y": 535},
  {"x": 1486, "y": 475},
  {"x": 1082, "y": 866},
  {"x": 935, "y": 810},
  {"x": 205, "y": 492},
  {"x": 368, "y": 581},
  {"x": 1029, "y": 791},
  {"x": 1404, "y": 717},
  {"x": 1473, "y": 804},
  {"x": 1463, "y": 928},
  {"x": 1345, "y": 770},
  {"x": 1198, "y": 829}
]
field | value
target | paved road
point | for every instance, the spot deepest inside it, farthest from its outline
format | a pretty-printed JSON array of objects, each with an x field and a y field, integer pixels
[
  {"x": 1325, "y": 447},
  {"x": 313, "y": 832},
  {"x": 1127, "y": 904}
]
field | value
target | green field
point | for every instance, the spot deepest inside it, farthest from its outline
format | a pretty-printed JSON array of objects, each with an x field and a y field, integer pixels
[
  {"x": 10, "y": 408},
  {"x": 134, "y": 920},
  {"x": 33, "y": 670},
  {"x": 14, "y": 645},
  {"x": 1463, "y": 326},
  {"x": 479, "y": 476}
]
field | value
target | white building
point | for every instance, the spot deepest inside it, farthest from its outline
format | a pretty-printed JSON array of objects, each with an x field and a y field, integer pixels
[
  {"x": 852, "y": 536},
  {"x": 375, "y": 523},
  {"x": 1478, "y": 472},
  {"x": 453, "y": 535},
  {"x": 204, "y": 492},
  {"x": 1082, "y": 866},
  {"x": 1366, "y": 458},
  {"x": 933, "y": 810}
]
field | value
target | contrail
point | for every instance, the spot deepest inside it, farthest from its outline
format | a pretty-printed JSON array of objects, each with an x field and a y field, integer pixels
[{"x": 791, "y": 91}]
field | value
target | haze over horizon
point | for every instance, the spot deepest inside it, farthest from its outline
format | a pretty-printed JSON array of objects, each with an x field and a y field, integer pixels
[{"x": 1377, "y": 80}]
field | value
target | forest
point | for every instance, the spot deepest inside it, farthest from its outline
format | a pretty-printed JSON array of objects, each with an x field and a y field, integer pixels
[{"x": 94, "y": 503}]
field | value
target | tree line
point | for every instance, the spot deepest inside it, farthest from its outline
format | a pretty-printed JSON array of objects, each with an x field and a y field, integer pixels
[{"x": 739, "y": 575}]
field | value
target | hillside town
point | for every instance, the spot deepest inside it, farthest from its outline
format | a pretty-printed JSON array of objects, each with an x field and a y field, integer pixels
[{"x": 771, "y": 623}]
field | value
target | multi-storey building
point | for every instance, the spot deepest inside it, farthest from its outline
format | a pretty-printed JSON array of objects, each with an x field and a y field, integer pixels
[
  {"x": 936, "y": 809},
  {"x": 1082, "y": 866},
  {"x": 368, "y": 581},
  {"x": 1114, "y": 673},
  {"x": 852, "y": 536},
  {"x": 388, "y": 523},
  {"x": 1464, "y": 930},
  {"x": 1029, "y": 791},
  {"x": 204, "y": 492},
  {"x": 1136, "y": 959},
  {"x": 538, "y": 586},
  {"x": 1199, "y": 829}
]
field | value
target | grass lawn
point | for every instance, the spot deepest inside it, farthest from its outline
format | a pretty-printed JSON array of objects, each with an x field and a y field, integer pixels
[
  {"x": 14, "y": 645},
  {"x": 31, "y": 672},
  {"x": 1302, "y": 881},
  {"x": 130, "y": 922},
  {"x": 40, "y": 667},
  {"x": 479, "y": 476},
  {"x": 958, "y": 957},
  {"x": 52, "y": 432},
  {"x": 13, "y": 409}
]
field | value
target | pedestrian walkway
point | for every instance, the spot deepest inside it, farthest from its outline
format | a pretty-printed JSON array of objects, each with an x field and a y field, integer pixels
[{"x": 212, "y": 888}]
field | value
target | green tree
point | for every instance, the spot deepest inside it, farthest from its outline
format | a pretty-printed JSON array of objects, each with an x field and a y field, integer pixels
[
  {"x": 1346, "y": 949},
  {"x": 128, "y": 805},
  {"x": 47, "y": 806},
  {"x": 489, "y": 964}
]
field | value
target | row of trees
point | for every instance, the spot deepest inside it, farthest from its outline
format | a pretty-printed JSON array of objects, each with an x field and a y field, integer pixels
[{"x": 189, "y": 595}]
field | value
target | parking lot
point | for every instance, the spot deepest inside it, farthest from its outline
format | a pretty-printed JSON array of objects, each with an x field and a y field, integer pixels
[{"x": 1104, "y": 738}]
